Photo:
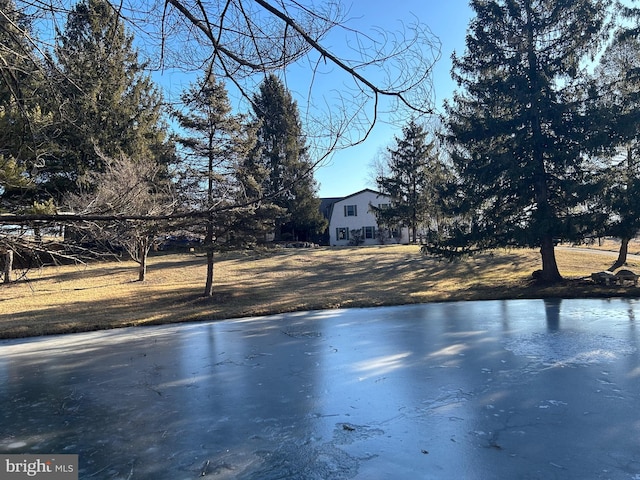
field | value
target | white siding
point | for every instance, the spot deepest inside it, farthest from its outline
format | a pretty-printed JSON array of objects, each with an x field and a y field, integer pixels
[{"x": 352, "y": 213}]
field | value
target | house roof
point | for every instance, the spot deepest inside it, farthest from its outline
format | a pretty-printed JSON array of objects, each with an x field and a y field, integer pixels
[
  {"x": 326, "y": 204},
  {"x": 361, "y": 191}
]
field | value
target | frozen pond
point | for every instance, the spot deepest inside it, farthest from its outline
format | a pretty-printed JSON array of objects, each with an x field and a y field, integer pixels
[{"x": 525, "y": 389}]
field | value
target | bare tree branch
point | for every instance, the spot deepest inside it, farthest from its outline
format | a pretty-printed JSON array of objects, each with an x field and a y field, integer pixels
[{"x": 241, "y": 40}]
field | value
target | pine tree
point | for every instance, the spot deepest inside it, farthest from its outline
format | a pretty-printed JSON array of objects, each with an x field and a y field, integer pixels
[
  {"x": 413, "y": 175},
  {"x": 105, "y": 102},
  {"x": 517, "y": 125},
  {"x": 216, "y": 144},
  {"x": 20, "y": 69},
  {"x": 23, "y": 115},
  {"x": 618, "y": 84},
  {"x": 281, "y": 163}
]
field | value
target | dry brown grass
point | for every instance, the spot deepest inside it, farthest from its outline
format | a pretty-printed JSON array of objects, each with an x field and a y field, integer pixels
[{"x": 78, "y": 298}]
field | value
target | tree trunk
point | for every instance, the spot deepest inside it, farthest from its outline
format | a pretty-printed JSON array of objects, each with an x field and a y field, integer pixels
[
  {"x": 622, "y": 255},
  {"x": 277, "y": 232},
  {"x": 143, "y": 252},
  {"x": 208, "y": 245},
  {"x": 8, "y": 265},
  {"x": 550, "y": 272},
  {"x": 208, "y": 288},
  {"x": 208, "y": 238},
  {"x": 546, "y": 216}
]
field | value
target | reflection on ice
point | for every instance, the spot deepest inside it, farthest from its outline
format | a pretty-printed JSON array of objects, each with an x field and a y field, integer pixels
[
  {"x": 381, "y": 365},
  {"x": 457, "y": 349},
  {"x": 569, "y": 347}
]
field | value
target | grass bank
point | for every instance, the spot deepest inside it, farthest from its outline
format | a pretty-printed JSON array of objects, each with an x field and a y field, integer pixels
[{"x": 100, "y": 296}]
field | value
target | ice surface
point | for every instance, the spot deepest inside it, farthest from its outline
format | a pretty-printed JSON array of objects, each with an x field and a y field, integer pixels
[
  {"x": 476, "y": 390},
  {"x": 570, "y": 347}
]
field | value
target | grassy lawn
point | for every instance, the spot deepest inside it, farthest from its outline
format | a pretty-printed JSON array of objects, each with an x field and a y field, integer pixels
[{"x": 106, "y": 295}]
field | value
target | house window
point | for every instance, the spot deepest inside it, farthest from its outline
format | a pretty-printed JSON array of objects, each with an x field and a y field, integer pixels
[
  {"x": 384, "y": 206},
  {"x": 350, "y": 210},
  {"x": 369, "y": 232},
  {"x": 342, "y": 233}
]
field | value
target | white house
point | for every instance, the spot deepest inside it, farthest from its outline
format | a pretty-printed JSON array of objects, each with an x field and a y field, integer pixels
[{"x": 351, "y": 216}]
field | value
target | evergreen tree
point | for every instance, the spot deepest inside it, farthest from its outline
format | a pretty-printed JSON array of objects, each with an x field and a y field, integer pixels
[
  {"x": 105, "y": 101},
  {"x": 518, "y": 125},
  {"x": 281, "y": 164},
  {"x": 23, "y": 114},
  {"x": 412, "y": 176},
  {"x": 618, "y": 82},
  {"x": 217, "y": 141}
]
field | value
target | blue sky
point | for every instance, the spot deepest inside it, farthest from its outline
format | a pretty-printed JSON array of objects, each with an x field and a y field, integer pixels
[{"x": 348, "y": 171}]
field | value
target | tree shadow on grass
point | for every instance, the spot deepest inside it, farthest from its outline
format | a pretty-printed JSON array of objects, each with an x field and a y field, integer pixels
[
  {"x": 83, "y": 315},
  {"x": 269, "y": 284},
  {"x": 292, "y": 283}
]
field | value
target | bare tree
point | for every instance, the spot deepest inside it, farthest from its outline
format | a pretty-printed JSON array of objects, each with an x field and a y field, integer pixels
[
  {"x": 127, "y": 188},
  {"x": 375, "y": 71},
  {"x": 21, "y": 252}
]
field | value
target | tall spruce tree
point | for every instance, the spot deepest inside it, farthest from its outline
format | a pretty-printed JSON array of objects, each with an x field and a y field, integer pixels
[
  {"x": 282, "y": 164},
  {"x": 23, "y": 111},
  {"x": 517, "y": 125},
  {"x": 106, "y": 100},
  {"x": 215, "y": 144},
  {"x": 412, "y": 177},
  {"x": 618, "y": 82}
]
